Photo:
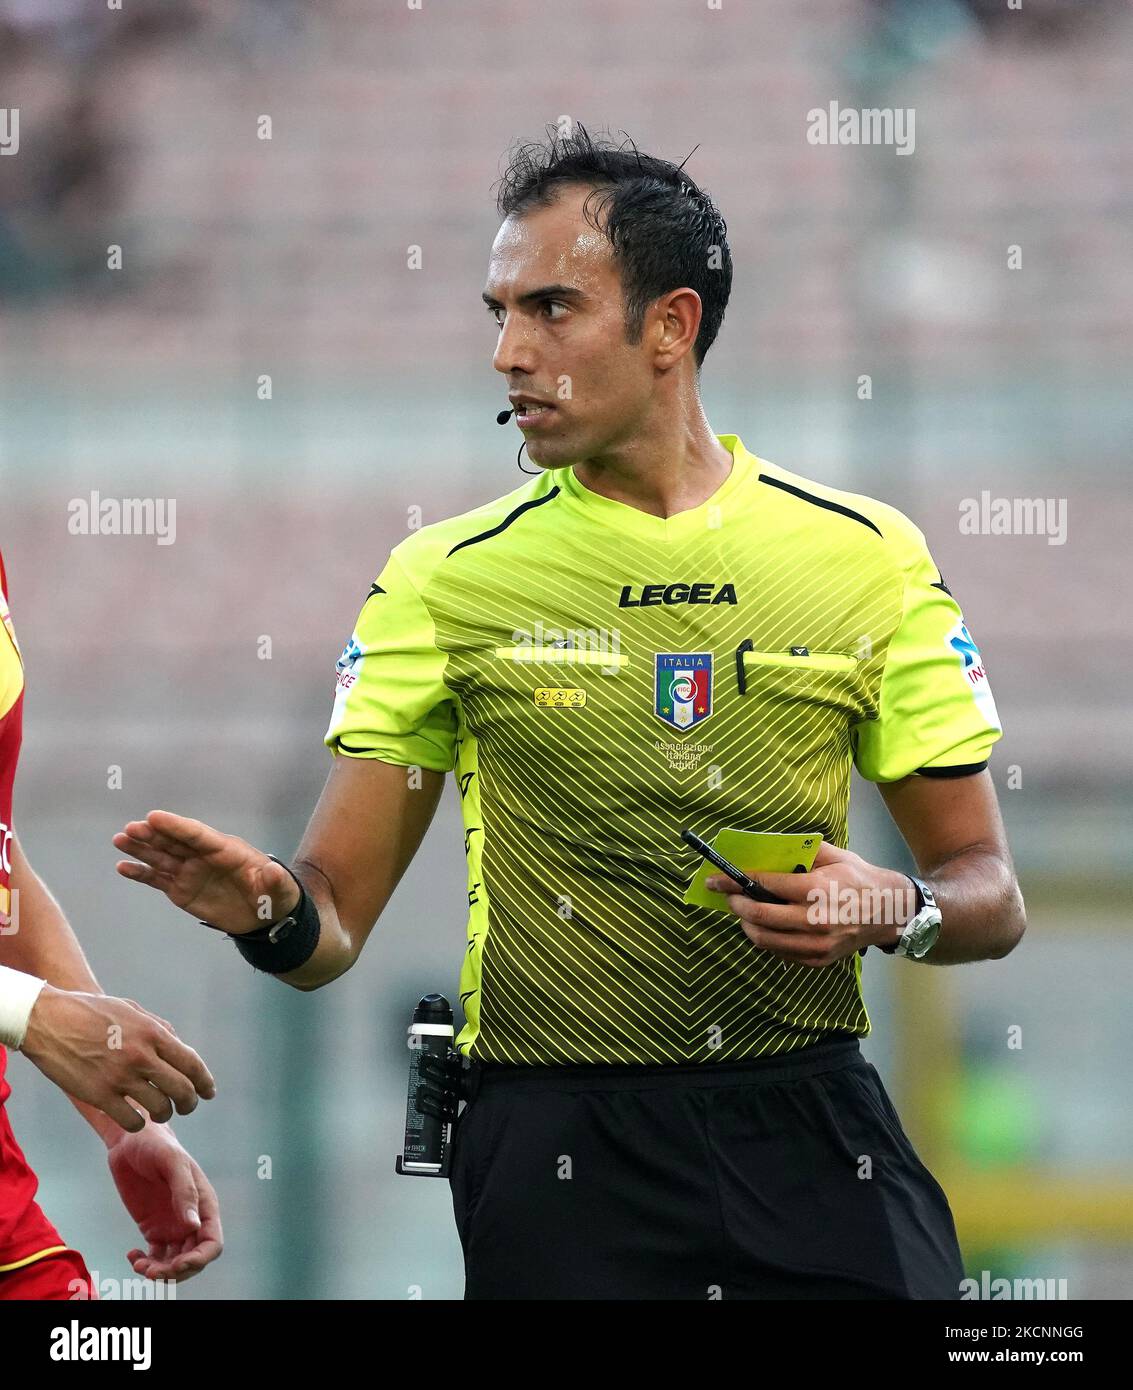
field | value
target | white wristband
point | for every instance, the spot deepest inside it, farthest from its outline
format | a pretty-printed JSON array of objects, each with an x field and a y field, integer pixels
[{"x": 18, "y": 993}]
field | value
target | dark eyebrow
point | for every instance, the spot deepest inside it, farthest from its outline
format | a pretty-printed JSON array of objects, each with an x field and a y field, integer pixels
[{"x": 567, "y": 292}]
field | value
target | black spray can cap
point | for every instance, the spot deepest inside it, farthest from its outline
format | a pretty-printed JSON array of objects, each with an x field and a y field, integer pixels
[{"x": 434, "y": 1008}]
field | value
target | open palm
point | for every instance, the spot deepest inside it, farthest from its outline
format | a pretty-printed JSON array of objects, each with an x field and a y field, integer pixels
[{"x": 220, "y": 879}]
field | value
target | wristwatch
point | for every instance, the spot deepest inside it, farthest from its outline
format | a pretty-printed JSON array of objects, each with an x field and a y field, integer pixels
[{"x": 918, "y": 936}]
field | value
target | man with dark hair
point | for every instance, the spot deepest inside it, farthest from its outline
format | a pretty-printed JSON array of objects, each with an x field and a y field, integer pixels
[
  {"x": 664, "y": 231},
  {"x": 658, "y": 632}
]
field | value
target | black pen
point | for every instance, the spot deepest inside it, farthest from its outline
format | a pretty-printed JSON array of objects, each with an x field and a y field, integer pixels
[{"x": 748, "y": 886}]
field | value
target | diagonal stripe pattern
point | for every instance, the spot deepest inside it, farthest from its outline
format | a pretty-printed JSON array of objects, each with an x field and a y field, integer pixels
[{"x": 580, "y": 948}]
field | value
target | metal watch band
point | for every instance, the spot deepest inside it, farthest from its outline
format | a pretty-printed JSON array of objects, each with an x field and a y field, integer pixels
[
  {"x": 921, "y": 931},
  {"x": 924, "y": 897}
]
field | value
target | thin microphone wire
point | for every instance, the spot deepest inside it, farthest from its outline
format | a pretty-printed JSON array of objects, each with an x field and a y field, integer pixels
[{"x": 502, "y": 419}]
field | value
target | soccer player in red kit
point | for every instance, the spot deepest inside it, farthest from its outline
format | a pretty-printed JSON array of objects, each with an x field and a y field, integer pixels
[{"x": 52, "y": 1010}]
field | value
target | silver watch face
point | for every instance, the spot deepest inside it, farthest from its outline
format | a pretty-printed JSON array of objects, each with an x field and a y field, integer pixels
[{"x": 919, "y": 936}]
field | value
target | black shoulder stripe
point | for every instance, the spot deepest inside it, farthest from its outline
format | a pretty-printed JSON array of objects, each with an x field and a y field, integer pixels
[
  {"x": 495, "y": 531},
  {"x": 819, "y": 501},
  {"x": 960, "y": 770},
  {"x": 940, "y": 584}
]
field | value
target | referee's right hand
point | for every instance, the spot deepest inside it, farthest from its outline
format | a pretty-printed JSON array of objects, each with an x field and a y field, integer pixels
[{"x": 219, "y": 879}]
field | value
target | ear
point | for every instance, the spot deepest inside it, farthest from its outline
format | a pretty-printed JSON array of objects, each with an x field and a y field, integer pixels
[{"x": 677, "y": 316}]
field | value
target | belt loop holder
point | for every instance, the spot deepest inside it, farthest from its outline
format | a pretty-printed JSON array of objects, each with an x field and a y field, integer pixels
[{"x": 472, "y": 1078}]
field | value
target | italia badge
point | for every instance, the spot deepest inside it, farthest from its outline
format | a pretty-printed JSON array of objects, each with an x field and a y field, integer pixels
[{"x": 683, "y": 688}]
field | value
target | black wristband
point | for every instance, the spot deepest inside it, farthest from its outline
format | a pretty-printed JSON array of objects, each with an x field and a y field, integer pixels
[{"x": 279, "y": 947}]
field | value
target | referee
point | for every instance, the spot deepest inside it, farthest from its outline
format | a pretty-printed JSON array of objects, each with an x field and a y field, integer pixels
[{"x": 658, "y": 631}]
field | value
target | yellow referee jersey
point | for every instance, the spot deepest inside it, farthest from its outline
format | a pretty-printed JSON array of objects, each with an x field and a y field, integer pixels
[{"x": 600, "y": 679}]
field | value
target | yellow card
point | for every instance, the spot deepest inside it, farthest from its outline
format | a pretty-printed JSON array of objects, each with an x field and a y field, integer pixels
[{"x": 754, "y": 852}]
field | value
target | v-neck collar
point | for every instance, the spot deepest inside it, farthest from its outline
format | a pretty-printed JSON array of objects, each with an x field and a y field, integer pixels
[{"x": 630, "y": 520}]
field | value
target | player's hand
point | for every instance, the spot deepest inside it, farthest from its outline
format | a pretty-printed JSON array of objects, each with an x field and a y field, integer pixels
[
  {"x": 173, "y": 1203},
  {"x": 843, "y": 904},
  {"x": 110, "y": 1052},
  {"x": 218, "y": 878}
]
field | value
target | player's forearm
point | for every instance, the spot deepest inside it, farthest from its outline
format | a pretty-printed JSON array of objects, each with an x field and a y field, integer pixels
[
  {"x": 368, "y": 824},
  {"x": 43, "y": 943},
  {"x": 338, "y": 947},
  {"x": 982, "y": 910}
]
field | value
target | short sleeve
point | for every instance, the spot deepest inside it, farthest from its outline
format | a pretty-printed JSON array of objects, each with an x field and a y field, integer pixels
[
  {"x": 936, "y": 714},
  {"x": 391, "y": 702}
]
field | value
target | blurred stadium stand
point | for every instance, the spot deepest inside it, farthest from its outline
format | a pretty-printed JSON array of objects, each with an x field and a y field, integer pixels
[{"x": 288, "y": 257}]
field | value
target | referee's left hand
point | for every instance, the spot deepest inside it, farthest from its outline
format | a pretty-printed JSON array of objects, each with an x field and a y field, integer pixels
[{"x": 842, "y": 905}]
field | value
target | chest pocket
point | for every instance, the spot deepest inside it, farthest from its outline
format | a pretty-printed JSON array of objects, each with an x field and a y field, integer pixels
[
  {"x": 834, "y": 680},
  {"x": 558, "y": 677},
  {"x": 533, "y": 704}
]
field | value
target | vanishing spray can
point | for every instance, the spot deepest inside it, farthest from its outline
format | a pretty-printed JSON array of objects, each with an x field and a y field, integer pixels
[{"x": 426, "y": 1136}]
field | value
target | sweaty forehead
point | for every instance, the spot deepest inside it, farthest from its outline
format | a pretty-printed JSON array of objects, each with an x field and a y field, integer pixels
[{"x": 550, "y": 245}]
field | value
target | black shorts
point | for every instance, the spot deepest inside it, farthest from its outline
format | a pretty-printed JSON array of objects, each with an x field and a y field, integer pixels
[{"x": 780, "y": 1177}]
